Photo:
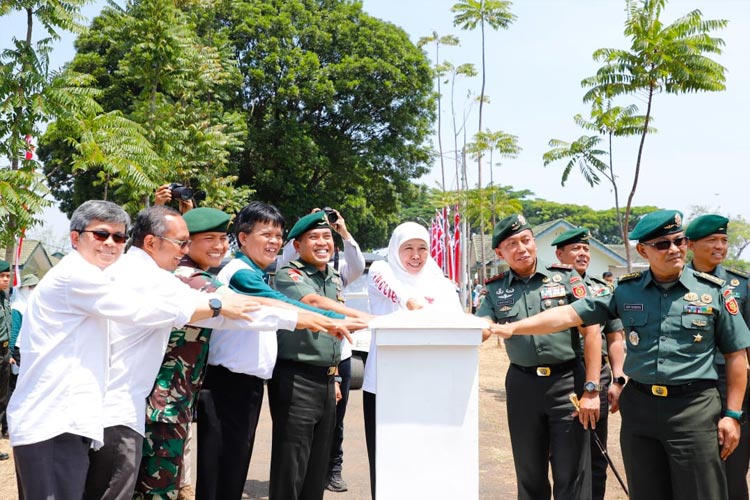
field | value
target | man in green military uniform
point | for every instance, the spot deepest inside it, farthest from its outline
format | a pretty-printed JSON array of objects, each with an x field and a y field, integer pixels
[
  {"x": 5, "y": 322},
  {"x": 304, "y": 389},
  {"x": 573, "y": 249},
  {"x": 674, "y": 434},
  {"x": 708, "y": 240},
  {"x": 544, "y": 371}
]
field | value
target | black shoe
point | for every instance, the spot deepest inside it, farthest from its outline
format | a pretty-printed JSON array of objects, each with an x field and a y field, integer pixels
[
  {"x": 335, "y": 483},
  {"x": 5, "y": 456}
]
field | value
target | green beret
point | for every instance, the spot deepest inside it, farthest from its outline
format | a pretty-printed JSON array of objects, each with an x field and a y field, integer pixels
[
  {"x": 706, "y": 225},
  {"x": 206, "y": 220},
  {"x": 4, "y": 266},
  {"x": 507, "y": 227},
  {"x": 315, "y": 220},
  {"x": 655, "y": 224},
  {"x": 577, "y": 235},
  {"x": 29, "y": 280}
]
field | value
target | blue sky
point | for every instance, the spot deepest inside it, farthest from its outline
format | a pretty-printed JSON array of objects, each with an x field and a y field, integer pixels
[{"x": 534, "y": 71}]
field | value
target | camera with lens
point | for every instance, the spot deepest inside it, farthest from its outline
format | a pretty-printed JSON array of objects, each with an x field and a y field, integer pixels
[
  {"x": 184, "y": 193},
  {"x": 331, "y": 214}
]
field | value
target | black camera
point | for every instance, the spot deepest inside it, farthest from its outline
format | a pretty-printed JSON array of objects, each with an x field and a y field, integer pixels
[
  {"x": 331, "y": 214},
  {"x": 184, "y": 193}
]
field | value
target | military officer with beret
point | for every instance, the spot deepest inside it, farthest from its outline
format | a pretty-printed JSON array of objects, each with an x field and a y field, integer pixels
[
  {"x": 544, "y": 371},
  {"x": 674, "y": 433},
  {"x": 708, "y": 240},
  {"x": 303, "y": 391},
  {"x": 573, "y": 249},
  {"x": 5, "y": 322}
]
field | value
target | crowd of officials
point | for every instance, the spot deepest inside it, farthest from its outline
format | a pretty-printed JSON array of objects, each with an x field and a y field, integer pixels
[{"x": 131, "y": 337}]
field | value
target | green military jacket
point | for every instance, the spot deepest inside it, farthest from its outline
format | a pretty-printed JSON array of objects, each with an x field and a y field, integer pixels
[
  {"x": 182, "y": 371},
  {"x": 5, "y": 319},
  {"x": 511, "y": 298},
  {"x": 296, "y": 280},
  {"x": 598, "y": 287},
  {"x": 671, "y": 334}
]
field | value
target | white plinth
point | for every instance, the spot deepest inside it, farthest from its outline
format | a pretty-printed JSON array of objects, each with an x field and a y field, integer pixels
[{"x": 427, "y": 444}]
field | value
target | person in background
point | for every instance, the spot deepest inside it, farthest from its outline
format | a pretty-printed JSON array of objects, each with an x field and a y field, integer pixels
[
  {"x": 573, "y": 249},
  {"x": 608, "y": 277},
  {"x": 409, "y": 280},
  {"x": 707, "y": 238},
  {"x": 5, "y": 353}
]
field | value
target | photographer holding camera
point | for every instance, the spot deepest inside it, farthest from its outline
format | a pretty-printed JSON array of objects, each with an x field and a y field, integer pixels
[
  {"x": 351, "y": 269},
  {"x": 186, "y": 197}
]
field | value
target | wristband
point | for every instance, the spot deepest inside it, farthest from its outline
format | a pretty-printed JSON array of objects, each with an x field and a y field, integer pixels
[
  {"x": 737, "y": 415},
  {"x": 337, "y": 379}
]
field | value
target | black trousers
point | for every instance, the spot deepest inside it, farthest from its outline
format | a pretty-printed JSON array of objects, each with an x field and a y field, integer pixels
[
  {"x": 113, "y": 468},
  {"x": 55, "y": 468},
  {"x": 4, "y": 385},
  {"x": 337, "y": 444},
  {"x": 303, "y": 409},
  {"x": 736, "y": 465},
  {"x": 228, "y": 410},
  {"x": 543, "y": 433},
  {"x": 670, "y": 445},
  {"x": 368, "y": 408},
  {"x": 598, "y": 462}
]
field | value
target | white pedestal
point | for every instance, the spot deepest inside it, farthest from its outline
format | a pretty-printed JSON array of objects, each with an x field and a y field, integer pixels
[{"x": 427, "y": 444}]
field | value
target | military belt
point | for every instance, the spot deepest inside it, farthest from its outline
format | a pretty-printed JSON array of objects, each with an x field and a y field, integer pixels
[
  {"x": 548, "y": 370},
  {"x": 298, "y": 366},
  {"x": 666, "y": 391}
]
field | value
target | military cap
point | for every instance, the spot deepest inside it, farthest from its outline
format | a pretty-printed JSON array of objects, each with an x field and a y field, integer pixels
[
  {"x": 206, "y": 220},
  {"x": 315, "y": 220},
  {"x": 29, "y": 280},
  {"x": 4, "y": 266},
  {"x": 706, "y": 225},
  {"x": 658, "y": 223},
  {"x": 507, "y": 227},
  {"x": 577, "y": 235}
]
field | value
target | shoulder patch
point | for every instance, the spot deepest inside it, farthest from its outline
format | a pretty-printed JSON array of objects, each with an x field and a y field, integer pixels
[
  {"x": 630, "y": 276},
  {"x": 494, "y": 278},
  {"x": 710, "y": 277},
  {"x": 558, "y": 265},
  {"x": 294, "y": 275},
  {"x": 297, "y": 263},
  {"x": 737, "y": 272}
]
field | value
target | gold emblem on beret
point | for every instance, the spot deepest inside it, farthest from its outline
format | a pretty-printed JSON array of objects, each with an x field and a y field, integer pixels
[
  {"x": 522, "y": 220},
  {"x": 691, "y": 297},
  {"x": 706, "y": 298},
  {"x": 734, "y": 282},
  {"x": 634, "y": 338},
  {"x": 677, "y": 219}
]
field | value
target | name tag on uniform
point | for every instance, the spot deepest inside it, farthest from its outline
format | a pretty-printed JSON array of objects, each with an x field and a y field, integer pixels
[{"x": 554, "y": 291}]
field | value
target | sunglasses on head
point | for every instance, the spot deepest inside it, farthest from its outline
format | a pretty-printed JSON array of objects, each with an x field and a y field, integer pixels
[
  {"x": 666, "y": 244},
  {"x": 101, "y": 235}
]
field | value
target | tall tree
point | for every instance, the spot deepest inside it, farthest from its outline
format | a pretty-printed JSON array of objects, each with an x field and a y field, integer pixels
[
  {"x": 440, "y": 69},
  {"x": 470, "y": 14},
  {"x": 662, "y": 58}
]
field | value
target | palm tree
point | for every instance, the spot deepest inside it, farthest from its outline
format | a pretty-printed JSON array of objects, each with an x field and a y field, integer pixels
[{"x": 662, "y": 58}]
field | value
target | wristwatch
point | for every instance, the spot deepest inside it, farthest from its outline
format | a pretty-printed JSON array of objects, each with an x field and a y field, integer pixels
[
  {"x": 739, "y": 416},
  {"x": 592, "y": 387},
  {"x": 337, "y": 379},
  {"x": 215, "y": 305},
  {"x": 619, "y": 380}
]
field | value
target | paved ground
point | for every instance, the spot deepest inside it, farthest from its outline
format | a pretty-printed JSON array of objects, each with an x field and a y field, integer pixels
[{"x": 497, "y": 479}]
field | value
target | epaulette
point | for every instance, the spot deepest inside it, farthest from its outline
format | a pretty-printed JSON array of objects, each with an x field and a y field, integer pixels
[
  {"x": 630, "y": 276},
  {"x": 494, "y": 278},
  {"x": 737, "y": 272},
  {"x": 602, "y": 282},
  {"x": 557, "y": 265},
  {"x": 297, "y": 263},
  {"x": 710, "y": 277}
]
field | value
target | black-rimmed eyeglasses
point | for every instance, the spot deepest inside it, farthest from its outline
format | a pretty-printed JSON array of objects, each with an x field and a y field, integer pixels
[
  {"x": 667, "y": 244},
  {"x": 181, "y": 243},
  {"x": 101, "y": 235}
]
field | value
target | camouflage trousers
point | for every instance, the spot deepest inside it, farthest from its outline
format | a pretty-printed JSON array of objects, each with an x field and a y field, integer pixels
[{"x": 162, "y": 463}]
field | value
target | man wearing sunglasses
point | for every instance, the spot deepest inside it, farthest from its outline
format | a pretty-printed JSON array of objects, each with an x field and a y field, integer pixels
[
  {"x": 708, "y": 240},
  {"x": 674, "y": 434}
]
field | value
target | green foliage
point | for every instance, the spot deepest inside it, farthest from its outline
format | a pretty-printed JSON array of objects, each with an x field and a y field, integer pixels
[
  {"x": 582, "y": 153},
  {"x": 472, "y": 13}
]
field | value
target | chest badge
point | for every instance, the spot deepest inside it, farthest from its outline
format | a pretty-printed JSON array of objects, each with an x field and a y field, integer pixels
[
  {"x": 697, "y": 338},
  {"x": 706, "y": 298},
  {"x": 634, "y": 338},
  {"x": 691, "y": 297},
  {"x": 557, "y": 278},
  {"x": 735, "y": 282}
]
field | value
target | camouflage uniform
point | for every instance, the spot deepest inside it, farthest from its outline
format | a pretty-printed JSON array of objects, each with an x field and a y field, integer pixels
[{"x": 169, "y": 407}]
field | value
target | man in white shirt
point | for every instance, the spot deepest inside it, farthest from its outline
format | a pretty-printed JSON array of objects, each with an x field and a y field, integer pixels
[{"x": 56, "y": 412}]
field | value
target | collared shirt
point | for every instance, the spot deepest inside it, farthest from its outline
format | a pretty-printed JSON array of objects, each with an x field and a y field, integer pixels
[
  {"x": 252, "y": 352},
  {"x": 65, "y": 343},
  {"x": 511, "y": 298},
  {"x": 5, "y": 317},
  {"x": 672, "y": 333},
  {"x": 297, "y": 280}
]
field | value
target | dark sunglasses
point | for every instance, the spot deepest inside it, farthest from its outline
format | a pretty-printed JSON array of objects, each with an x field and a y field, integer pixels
[
  {"x": 666, "y": 244},
  {"x": 101, "y": 235}
]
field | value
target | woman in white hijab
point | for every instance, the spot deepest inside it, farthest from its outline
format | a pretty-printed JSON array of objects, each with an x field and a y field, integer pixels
[{"x": 409, "y": 279}]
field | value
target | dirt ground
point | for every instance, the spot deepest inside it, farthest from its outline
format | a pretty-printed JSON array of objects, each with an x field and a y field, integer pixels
[{"x": 496, "y": 475}]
